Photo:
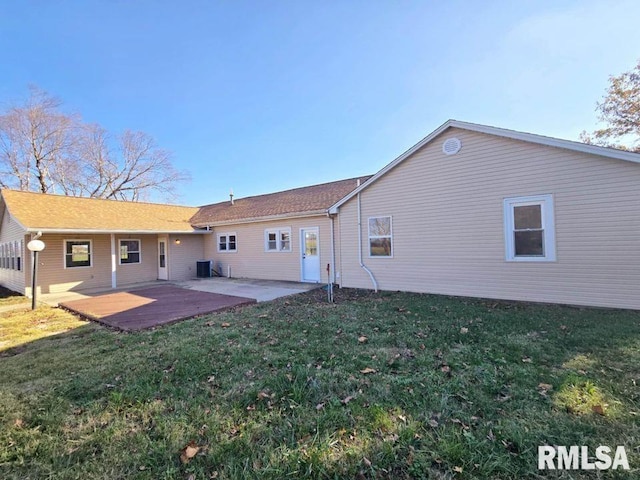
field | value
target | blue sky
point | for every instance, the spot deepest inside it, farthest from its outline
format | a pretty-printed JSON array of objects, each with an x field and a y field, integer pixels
[{"x": 264, "y": 96}]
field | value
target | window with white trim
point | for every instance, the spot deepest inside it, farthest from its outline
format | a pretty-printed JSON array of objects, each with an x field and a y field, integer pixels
[
  {"x": 380, "y": 237},
  {"x": 129, "y": 251},
  {"x": 529, "y": 229},
  {"x": 77, "y": 253},
  {"x": 277, "y": 240},
  {"x": 227, "y": 242},
  {"x": 19, "y": 249}
]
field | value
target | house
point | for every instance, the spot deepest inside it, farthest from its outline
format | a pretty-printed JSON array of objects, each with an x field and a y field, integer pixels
[
  {"x": 280, "y": 236},
  {"x": 470, "y": 210},
  {"x": 95, "y": 243},
  {"x": 480, "y": 211}
]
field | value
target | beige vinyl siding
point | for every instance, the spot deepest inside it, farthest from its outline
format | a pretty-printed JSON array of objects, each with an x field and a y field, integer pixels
[
  {"x": 53, "y": 277},
  {"x": 145, "y": 271},
  {"x": 251, "y": 261},
  {"x": 448, "y": 225},
  {"x": 11, "y": 231},
  {"x": 182, "y": 258}
]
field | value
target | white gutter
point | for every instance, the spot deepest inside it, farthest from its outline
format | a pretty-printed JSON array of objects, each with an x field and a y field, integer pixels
[
  {"x": 362, "y": 265},
  {"x": 269, "y": 218},
  {"x": 99, "y": 231}
]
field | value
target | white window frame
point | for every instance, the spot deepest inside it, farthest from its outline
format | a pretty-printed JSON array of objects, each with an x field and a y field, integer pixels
[
  {"x": 370, "y": 237},
  {"x": 227, "y": 242},
  {"x": 279, "y": 243},
  {"x": 548, "y": 226},
  {"x": 64, "y": 252},
  {"x": 139, "y": 252}
]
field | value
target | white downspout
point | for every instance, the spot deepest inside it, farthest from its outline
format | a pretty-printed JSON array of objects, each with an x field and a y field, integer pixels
[
  {"x": 364, "y": 267},
  {"x": 333, "y": 252}
]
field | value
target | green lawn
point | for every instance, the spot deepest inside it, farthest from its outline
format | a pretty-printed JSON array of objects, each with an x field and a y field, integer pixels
[{"x": 375, "y": 386}]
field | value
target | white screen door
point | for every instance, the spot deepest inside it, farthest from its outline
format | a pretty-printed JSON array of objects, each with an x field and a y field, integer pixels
[{"x": 163, "y": 273}]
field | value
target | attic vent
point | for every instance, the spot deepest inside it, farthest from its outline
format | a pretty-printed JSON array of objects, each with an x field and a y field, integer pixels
[{"x": 451, "y": 146}]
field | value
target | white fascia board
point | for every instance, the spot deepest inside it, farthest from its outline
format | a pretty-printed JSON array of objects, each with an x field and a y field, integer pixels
[
  {"x": 500, "y": 132},
  {"x": 270, "y": 218},
  {"x": 101, "y": 232},
  {"x": 549, "y": 141},
  {"x": 334, "y": 208}
]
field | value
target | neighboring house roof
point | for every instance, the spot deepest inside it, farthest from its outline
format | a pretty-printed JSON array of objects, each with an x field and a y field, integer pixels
[
  {"x": 312, "y": 200},
  {"x": 59, "y": 213},
  {"x": 500, "y": 132}
]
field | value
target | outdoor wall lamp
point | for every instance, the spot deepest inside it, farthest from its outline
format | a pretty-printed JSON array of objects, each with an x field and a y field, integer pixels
[
  {"x": 177, "y": 241},
  {"x": 35, "y": 246}
]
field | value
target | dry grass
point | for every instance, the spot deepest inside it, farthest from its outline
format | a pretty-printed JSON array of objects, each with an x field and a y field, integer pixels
[
  {"x": 19, "y": 327},
  {"x": 8, "y": 297}
]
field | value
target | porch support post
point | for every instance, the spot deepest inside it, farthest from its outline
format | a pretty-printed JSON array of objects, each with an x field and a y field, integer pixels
[{"x": 114, "y": 282}]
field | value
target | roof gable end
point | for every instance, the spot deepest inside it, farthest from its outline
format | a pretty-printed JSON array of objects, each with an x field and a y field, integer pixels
[{"x": 500, "y": 132}]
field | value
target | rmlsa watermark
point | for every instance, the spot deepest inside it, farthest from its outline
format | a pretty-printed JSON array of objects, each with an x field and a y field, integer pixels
[{"x": 579, "y": 458}]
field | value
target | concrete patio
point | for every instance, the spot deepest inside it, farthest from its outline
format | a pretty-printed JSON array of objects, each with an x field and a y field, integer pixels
[{"x": 260, "y": 290}]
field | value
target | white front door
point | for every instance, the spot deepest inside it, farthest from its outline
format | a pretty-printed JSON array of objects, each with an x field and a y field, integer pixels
[
  {"x": 310, "y": 251},
  {"x": 163, "y": 270}
]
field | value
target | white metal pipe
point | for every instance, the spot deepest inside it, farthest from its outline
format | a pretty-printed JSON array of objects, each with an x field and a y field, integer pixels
[{"x": 364, "y": 267}]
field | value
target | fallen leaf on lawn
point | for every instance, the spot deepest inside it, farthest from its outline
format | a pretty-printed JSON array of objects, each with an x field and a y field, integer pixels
[
  {"x": 445, "y": 369},
  {"x": 264, "y": 315},
  {"x": 543, "y": 388},
  {"x": 18, "y": 423},
  {"x": 464, "y": 330},
  {"x": 346, "y": 400},
  {"x": 526, "y": 360},
  {"x": 457, "y": 469},
  {"x": 263, "y": 394},
  {"x": 251, "y": 408},
  {"x": 490, "y": 436},
  {"x": 599, "y": 409},
  {"x": 319, "y": 406},
  {"x": 368, "y": 370},
  {"x": 225, "y": 325},
  {"x": 189, "y": 451},
  {"x": 362, "y": 339},
  {"x": 366, "y": 461},
  {"x": 563, "y": 327},
  {"x": 433, "y": 423},
  {"x": 191, "y": 477},
  {"x": 211, "y": 378}
]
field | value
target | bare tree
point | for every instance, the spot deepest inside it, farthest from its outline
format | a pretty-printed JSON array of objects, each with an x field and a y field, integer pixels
[
  {"x": 34, "y": 138},
  {"x": 42, "y": 149}
]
